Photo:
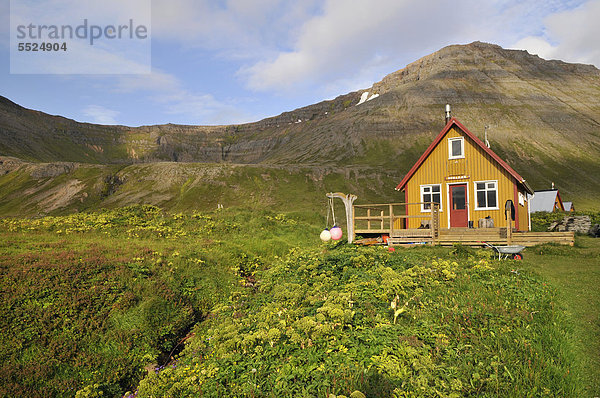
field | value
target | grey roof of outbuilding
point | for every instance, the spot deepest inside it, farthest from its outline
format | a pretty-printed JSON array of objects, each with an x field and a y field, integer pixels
[
  {"x": 543, "y": 201},
  {"x": 568, "y": 205}
]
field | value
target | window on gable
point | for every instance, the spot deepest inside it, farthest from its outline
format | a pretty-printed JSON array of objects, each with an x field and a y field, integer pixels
[
  {"x": 486, "y": 193},
  {"x": 456, "y": 148},
  {"x": 431, "y": 194}
]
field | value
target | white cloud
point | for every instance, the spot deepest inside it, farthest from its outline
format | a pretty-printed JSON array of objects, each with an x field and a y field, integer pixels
[
  {"x": 101, "y": 115},
  {"x": 203, "y": 107},
  {"x": 536, "y": 45},
  {"x": 311, "y": 49},
  {"x": 157, "y": 81},
  {"x": 4, "y": 23},
  {"x": 169, "y": 93},
  {"x": 577, "y": 32},
  {"x": 75, "y": 53},
  {"x": 569, "y": 35},
  {"x": 351, "y": 36},
  {"x": 236, "y": 29},
  {"x": 353, "y": 41}
]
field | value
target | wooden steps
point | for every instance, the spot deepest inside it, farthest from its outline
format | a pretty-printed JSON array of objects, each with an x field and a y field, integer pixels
[
  {"x": 538, "y": 238},
  {"x": 411, "y": 233},
  {"x": 476, "y": 237},
  {"x": 408, "y": 240},
  {"x": 472, "y": 236}
]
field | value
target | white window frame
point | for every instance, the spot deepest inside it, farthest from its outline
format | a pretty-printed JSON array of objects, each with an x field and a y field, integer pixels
[
  {"x": 462, "y": 147},
  {"x": 475, "y": 190},
  {"x": 422, "y": 192}
]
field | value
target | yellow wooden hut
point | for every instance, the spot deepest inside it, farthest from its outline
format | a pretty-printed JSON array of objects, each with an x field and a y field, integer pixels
[{"x": 470, "y": 182}]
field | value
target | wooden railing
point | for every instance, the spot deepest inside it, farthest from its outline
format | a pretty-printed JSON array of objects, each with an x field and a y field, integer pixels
[{"x": 391, "y": 219}]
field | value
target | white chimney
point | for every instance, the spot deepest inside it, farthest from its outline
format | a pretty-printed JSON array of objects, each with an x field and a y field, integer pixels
[{"x": 448, "y": 117}]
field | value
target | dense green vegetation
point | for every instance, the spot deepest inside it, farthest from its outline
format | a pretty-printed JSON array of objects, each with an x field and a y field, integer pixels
[
  {"x": 541, "y": 220},
  {"x": 250, "y": 303},
  {"x": 93, "y": 298},
  {"x": 187, "y": 187},
  {"x": 385, "y": 324}
]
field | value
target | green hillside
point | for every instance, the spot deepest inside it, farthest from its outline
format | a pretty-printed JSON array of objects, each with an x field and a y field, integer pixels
[
  {"x": 39, "y": 189},
  {"x": 541, "y": 116}
]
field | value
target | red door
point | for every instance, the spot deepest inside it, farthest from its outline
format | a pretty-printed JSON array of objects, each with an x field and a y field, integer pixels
[{"x": 459, "y": 213}]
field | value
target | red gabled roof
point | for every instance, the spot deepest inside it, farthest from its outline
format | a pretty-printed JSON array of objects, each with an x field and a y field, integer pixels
[{"x": 454, "y": 122}]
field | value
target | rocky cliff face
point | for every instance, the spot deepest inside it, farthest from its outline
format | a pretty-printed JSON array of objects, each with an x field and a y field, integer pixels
[
  {"x": 542, "y": 116},
  {"x": 510, "y": 91}
]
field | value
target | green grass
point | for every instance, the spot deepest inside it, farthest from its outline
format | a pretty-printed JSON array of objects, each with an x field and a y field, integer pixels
[
  {"x": 575, "y": 273},
  {"x": 193, "y": 186},
  {"x": 260, "y": 307},
  {"x": 91, "y": 299}
]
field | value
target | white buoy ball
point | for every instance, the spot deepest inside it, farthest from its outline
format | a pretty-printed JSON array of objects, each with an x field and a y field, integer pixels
[
  {"x": 325, "y": 235},
  {"x": 336, "y": 233}
]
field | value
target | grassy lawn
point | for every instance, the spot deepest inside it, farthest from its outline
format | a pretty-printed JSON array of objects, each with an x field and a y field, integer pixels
[
  {"x": 103, "y": 302},
  {"x": 575, "y": 272}
]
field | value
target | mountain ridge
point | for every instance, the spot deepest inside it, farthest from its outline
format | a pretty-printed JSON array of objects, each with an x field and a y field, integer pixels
[
  {"x": 437, "y": 77},
  {"x": 542, "y": 117}
]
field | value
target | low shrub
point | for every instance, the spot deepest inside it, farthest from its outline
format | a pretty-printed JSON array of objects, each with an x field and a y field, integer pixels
[{"x": 385, "y": 324}]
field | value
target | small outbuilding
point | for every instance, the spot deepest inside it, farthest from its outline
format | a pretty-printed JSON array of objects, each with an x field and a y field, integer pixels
[{"x": 548, "y": 200}]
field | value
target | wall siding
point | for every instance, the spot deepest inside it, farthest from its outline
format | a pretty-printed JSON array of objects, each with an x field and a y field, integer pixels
[
  {"x": 523, "y": 213},
  {"x": 479, "y": 167}
]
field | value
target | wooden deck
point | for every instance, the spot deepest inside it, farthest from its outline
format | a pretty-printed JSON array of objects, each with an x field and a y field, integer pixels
[
  {"x": 389, "y": 220},
  {"x": 498, "y": 236}
]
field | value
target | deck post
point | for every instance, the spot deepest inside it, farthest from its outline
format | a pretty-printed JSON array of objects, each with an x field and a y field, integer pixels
[
  {"x": 369, "y": 218},
  {"x": 348, "y": 201},
  {"x": 382, "y": 218},
  {"x": 508, "y": 227},
  {"x": 437, "y": 222},
  {"x": 434, "y": 210},
  {"x": 432, "y": 206},
  {"x": 391, "y": 219},
  {"x": 353, "y": 225}
]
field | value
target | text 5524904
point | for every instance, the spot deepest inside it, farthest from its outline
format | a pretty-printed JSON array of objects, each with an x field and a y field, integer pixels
[{"x": 42, "y": 46}]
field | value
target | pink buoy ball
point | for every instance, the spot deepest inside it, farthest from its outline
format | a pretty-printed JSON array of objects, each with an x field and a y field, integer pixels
[
  {"x": 325, "y": 235},
  {"x": 336, "y": 233}
]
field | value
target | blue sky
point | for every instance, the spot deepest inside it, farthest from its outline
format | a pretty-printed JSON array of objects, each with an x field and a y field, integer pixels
[{"x": 235, "y": 61}]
